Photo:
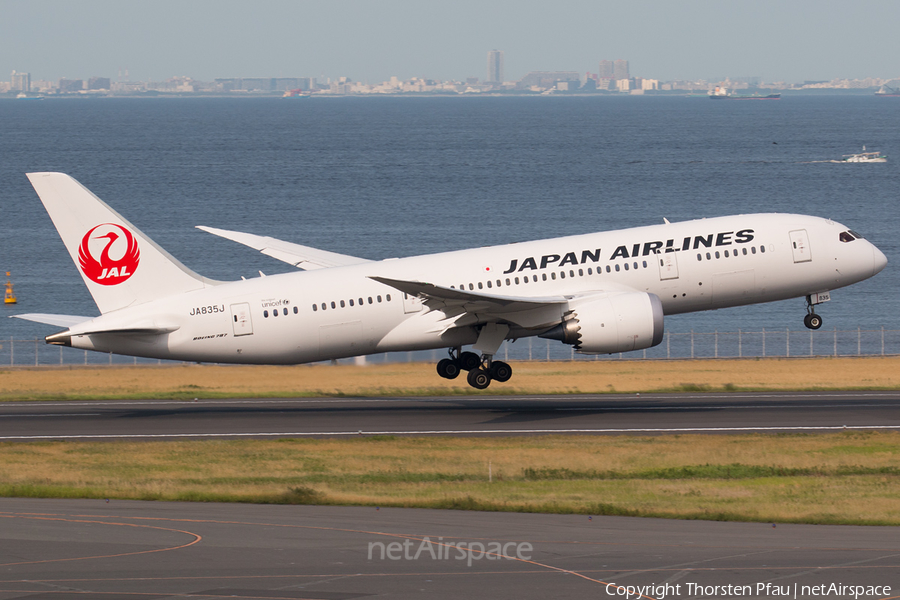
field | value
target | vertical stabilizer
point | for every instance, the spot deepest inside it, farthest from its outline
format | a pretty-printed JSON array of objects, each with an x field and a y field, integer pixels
[{"x": 119, "y": 264}]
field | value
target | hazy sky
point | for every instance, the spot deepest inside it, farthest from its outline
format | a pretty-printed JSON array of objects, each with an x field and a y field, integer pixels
[{"x": 778, "y": 40}]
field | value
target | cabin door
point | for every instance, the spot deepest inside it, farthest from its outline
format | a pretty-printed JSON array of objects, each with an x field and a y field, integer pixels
[
  {"x": 411, "y": 304},
  {"x": 240, "y": 319},
  {"x": 668, "y": 265},
  {"x": 800, "y": 246}
]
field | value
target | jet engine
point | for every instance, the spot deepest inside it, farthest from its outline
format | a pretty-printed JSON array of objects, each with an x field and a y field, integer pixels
[{"x": 614, "y": 323}]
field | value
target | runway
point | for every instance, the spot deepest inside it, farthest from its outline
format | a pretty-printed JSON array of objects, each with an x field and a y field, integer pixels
[
  {"x": 656, "y": 414},
  {"x": 123, "y": 550}
]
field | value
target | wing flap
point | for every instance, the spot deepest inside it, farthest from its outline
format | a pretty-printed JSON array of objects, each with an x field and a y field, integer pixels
[{"x": 302, "y": 257}]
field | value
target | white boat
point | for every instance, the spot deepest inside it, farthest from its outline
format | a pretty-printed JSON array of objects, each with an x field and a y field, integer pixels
[{"x": 864, "y": 157}]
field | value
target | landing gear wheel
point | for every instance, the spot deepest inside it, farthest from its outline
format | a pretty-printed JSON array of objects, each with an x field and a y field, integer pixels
[
  {"x": 469, "y": 361},
  {"x": 812, "y": 321},
  {"x": 500, "y": 371},
  {"x": 479, "y": 378},
  {"x": 448, "y": 369}
]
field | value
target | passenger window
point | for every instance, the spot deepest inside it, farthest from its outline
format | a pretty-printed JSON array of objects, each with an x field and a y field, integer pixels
[
  {"x": 471, "y": 287},
  {"x": 571, "y": 273},
  {"x": 265, "y": 314},
  {"x": 762, "y": 249},
  {"x": 635, "y": 266},
  {"x": 562, "y": 275},
  {"x": 626, "y": 266},
  {"x": 717, "y": 254},
  {"x": 590, "y": 271},
  {"x": 387, "y": 297},
  {"x": 275, "y": 313},
  {"x": 297, "y": 311},
  {"x": 480, "y": 286},
  {"x": 376, "y": 297},
  {"x": 507, "y": 280},
  {"x": 617, "y": 268},
  {"x": 543, "y": 276},
  {"x": 534, "y": 278},
  {"x": 645, "y": 264},
  {"x": 708, "y": 256},
  {"x": 370, "y": 299},
  {"x": 753, "y": 250},
  {"x": 744, "y": 251},
  {"x": 607, "y": 268},
  {"x": 516, "y": 280},
  {"x": 284, "y": 311},
  {"x": 323, "y": 306},
  {"x": 553, "y": 276},
  {"x": 501, "y": 285},
  {"x": 343, "y": 305},
  {"x": 489, "y": 285},
  {"x": 726, "y": 254},
  {"x": 699, "y": 257},
  {"x": 360, "y": 302},
  {"x": 351, "y": 301}
]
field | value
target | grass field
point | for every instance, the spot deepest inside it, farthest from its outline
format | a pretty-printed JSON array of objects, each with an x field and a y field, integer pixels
[
  {"x": 416, "y": 379},
  {"x": 851, "y": 477}
]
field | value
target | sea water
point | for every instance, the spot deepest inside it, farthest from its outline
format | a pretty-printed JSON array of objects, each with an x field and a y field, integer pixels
[{"x": 400, "y": 176}]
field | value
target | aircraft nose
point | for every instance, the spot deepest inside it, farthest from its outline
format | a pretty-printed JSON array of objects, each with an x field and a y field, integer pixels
[{"x": 880, "y": 260}]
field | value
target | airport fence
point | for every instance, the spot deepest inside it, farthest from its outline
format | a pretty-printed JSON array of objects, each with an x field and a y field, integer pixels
[{"x": 675, "y": 345}]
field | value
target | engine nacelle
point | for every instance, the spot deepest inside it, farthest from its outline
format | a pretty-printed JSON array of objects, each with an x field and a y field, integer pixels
[{"x": 615, "y": 323}]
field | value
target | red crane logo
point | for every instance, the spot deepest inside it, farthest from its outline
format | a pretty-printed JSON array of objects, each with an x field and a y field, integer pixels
[{"x": 108, "y": 270}]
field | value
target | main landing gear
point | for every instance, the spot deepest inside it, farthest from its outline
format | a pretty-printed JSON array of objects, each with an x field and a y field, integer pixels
[
  {"x": 811, "y": 320},
  {"x": 481, "y": 370}
]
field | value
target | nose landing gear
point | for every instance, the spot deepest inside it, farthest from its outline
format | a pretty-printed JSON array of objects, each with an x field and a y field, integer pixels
[{"x": 811, "y": 320}]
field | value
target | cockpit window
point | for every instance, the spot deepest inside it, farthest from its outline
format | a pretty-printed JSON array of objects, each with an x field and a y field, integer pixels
[
  {"x": 846, "y": 236},
  {"x": 856, "y": 235}
]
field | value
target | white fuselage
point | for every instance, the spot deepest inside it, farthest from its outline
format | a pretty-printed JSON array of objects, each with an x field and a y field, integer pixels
[{"x": 339, "y": 312}]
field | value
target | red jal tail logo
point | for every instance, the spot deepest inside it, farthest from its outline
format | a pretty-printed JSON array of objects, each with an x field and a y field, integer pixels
[{"x": 120, "y": 242}]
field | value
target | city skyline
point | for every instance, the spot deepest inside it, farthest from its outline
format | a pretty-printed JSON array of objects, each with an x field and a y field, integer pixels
[{"x": 209, "y": 39}]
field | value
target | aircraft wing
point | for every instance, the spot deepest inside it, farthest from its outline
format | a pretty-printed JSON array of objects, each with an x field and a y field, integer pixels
[
  {"x": 302, "y": 257},
  {"x": 463, "y": 308},
  {"x": 436, "y": 296}
]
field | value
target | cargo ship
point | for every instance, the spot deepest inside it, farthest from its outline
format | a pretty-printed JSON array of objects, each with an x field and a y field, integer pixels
[{"x": 721, "y": 93}]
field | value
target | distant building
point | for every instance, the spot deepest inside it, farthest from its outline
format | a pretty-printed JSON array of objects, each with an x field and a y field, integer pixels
[
  {"x": 607, "y": 70},
  {"x": 70, "y": 85},
  {"x": 98, "y": 83},
  {"x": 547, "y": 79},
  {"x": 494, "y": 67},
  {"x": 20, "y": 82},
  {"x": 621, "y": 69}
]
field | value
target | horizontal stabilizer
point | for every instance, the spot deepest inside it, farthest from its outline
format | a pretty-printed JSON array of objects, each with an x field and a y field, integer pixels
[
  {"x": 57, "y": 320},
  {"x": 302, "y": 257}
]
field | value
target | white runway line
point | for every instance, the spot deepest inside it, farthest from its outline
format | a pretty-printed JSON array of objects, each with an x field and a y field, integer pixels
[{"x": 444, "y": 432}]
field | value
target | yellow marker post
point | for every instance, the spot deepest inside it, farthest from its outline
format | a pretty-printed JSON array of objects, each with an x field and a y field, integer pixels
[{"x": 9, "y": 297}]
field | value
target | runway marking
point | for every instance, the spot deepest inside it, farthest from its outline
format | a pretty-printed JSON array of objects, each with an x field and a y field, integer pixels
[
  {"x": 320, "y": 528},
  {"x": 197, "y": 537},
  {"x": 14, "y": 416},
  {"x": 451, "y": 432}
]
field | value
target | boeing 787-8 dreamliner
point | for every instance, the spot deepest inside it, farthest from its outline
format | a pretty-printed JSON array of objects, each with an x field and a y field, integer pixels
[{"x": 600, "y": 292}]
